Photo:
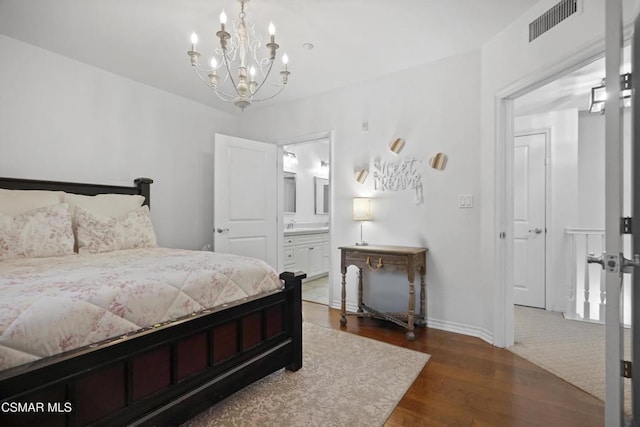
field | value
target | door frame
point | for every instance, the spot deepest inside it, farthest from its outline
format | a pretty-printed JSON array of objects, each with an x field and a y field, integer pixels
[
  {"x": 503, "y": 160},
  {"x": 327, "y": 135},
  {"x": 504, "y": 329},
  {"x": 547, "y": 206}
]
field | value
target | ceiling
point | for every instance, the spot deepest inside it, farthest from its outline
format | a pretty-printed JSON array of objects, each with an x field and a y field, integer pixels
[
  {"x": 568, "y": 91},
  {"x": 147, "y": 40}
]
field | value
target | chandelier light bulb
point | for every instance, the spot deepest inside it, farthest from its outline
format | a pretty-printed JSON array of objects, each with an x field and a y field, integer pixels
[
  {"x": 272, "y": 29},
  {"x": 194, "y": 39},
  {"x": 214, "y": 63},
  {"x": 223, "y": 18},
  {"x": 285, "y": 59},
  {"x": 252, "y": 72}
]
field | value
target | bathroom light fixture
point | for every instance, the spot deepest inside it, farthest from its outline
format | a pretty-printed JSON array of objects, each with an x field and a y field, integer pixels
[
  {"x": 244, "y": 71},
  {"x": 362, "y": 212},
  {"x": 598, "y": 94}
]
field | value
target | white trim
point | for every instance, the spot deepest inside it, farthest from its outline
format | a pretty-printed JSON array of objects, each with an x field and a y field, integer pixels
[
  {"x": 584, "y": 231},
  {"x": 460, "y": 328},
  {"x": 313, "y": 137}
]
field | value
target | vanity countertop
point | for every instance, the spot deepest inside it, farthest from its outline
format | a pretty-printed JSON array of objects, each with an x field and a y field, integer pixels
[{"x": 296, "y": 231}]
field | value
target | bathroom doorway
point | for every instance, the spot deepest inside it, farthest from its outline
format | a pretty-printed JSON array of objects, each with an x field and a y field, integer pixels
[{"x": 306, "y": 214}]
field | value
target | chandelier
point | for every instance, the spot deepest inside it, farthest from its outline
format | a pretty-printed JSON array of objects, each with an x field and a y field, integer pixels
[{"x": 237, "y": 72}]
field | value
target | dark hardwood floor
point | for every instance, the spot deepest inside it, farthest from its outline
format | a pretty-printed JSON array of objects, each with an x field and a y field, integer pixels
[{"x": 468, "y": 382}]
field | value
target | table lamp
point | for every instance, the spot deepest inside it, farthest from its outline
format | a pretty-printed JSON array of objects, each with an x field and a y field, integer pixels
[{"x": 362, "y": 212}]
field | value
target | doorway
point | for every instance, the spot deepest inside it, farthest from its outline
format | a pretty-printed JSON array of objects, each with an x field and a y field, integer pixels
[
  {"x": 575, "y": 189},
  {"x": 307, "y": 204}
]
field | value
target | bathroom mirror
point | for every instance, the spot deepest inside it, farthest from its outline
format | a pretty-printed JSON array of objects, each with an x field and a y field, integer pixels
[
  {"x": 321, "y": 191},
  {"x": 289, "y": 192}
]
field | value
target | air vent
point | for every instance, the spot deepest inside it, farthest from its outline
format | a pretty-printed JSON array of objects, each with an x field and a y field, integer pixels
[{"x": 552, "y": 17}]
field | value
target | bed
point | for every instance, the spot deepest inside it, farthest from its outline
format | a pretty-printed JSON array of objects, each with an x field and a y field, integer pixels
[{"x": 131, "y": 368}]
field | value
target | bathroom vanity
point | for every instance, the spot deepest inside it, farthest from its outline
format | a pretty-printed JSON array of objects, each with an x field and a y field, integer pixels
[{"x": 307, "y": 249}]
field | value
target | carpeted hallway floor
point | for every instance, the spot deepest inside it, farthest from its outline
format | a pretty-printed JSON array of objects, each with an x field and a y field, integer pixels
[{"x": 570, "y": 349}]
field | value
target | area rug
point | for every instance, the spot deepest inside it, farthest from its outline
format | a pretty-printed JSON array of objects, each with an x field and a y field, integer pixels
[
  {"x": 346, "y": 380},
  {"x": 570, "y": 349}
]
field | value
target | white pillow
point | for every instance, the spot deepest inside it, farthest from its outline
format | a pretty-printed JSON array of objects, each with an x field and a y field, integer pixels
[
  {"x": 113, "y": 205},
  {"x": 14, "y": 202},
  {"x": 97, "y": 233},
  {"x": 37, "y": 233}
]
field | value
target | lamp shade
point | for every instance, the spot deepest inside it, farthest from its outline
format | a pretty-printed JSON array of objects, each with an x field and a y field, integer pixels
[{"x": 362, "y": 209}]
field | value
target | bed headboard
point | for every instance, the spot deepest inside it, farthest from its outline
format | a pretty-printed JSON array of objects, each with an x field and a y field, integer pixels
[{"x": 142, "y": 187}]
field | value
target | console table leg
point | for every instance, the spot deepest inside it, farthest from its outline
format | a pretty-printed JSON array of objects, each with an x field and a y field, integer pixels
[
  {"x": 410, "y": 313},
  {"x": 423, "y": 306},
  {"x": 343, "y": 302},
  {"x": 360, "y": 291}
]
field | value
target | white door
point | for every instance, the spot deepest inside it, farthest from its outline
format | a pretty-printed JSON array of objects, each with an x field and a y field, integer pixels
[
  {"x": 613, "y": 262},
  {"x": 245, "y": 193},
  {"x": 529, "y": 220},
  {"x": 635, "y": 242}
]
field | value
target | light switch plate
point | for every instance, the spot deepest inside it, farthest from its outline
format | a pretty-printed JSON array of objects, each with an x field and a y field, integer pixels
[{"x": 465, "y": 200}]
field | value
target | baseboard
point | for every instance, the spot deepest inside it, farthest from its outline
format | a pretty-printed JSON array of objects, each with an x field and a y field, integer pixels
[
  {"x": 443, "y": 325},
  {"x": 459, "y": 328}
]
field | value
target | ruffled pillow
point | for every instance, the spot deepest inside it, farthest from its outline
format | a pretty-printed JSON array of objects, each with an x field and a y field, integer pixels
[
  {"x": 96, "y": 233},
  {"x": 38, "y": 233}
]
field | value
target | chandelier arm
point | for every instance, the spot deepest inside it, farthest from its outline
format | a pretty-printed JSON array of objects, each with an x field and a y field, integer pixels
[
  {"x": 219, "y": 92},
  {"x": 226, "y": 64}
]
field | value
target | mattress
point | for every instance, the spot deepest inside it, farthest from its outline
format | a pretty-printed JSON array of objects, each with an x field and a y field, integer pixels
[{"x": 53, "y": 305}]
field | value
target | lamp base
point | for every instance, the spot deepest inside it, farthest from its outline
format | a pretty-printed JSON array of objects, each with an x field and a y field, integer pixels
[{"x": 362, "y": 244}]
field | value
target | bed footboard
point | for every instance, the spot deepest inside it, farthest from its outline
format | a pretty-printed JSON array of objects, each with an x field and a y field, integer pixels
[{"x": 164, "y": 375}]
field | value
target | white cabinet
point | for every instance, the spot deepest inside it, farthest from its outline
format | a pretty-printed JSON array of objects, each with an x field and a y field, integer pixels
[
  {"x": 315, "y": 260},
  {"x": 308, "y": 253}
]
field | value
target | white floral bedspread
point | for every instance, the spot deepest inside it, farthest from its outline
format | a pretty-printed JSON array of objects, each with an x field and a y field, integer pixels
[{"x": 51, "y": 305}]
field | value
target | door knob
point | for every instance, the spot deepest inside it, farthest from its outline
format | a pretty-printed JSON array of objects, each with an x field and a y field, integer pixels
[
  {"x": 222, "y": 230},
  {"x": 536, "y": 230},
  {"x": 592, "y": 259}
]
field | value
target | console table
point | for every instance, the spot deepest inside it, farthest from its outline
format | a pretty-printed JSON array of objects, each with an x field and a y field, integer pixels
[{"x": 388, "y": 258}]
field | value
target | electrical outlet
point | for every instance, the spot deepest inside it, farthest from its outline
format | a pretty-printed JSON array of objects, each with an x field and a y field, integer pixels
[{"x": 465, "y": 200}]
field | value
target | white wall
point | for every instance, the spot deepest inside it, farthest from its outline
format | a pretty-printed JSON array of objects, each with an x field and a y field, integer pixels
[
  {"x": 64, "y": 120},
  {"x": 562, "y": 206},
  {"x": 591, "y": 171},
  {"x": 435, "y": 108},
  {"x": 507, "y": 60}
]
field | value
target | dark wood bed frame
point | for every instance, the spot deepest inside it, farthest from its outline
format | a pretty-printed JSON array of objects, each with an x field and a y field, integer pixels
[{"x": 161, "y": 375}]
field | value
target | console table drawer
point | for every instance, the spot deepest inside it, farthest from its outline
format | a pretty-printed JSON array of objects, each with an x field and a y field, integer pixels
[{"x": 375, "y": 260}]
